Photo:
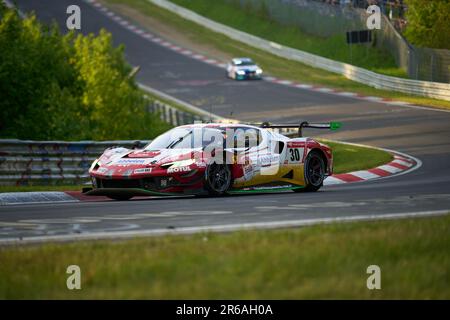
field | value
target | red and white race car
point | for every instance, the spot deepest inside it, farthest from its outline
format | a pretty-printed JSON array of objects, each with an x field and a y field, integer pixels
[{"x": 214, "y": 159}]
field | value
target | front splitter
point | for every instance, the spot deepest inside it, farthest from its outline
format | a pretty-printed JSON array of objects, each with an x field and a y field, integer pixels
[{"x": 132, "y": 192}]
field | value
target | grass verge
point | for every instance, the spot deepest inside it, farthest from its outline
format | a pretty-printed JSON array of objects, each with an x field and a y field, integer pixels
[
  {"x": 349, "y": 158},
  {"x": 258, "y": 22},
  {"x": 319, "y": 262},
  {"x": 346, "y": 158},
  {"x": 273, "y": 65}
]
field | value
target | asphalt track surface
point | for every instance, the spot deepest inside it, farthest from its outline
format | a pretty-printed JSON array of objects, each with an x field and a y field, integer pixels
[{"x": 422, "y": 133}]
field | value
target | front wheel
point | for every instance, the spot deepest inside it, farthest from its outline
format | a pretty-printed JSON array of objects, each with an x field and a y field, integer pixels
[
  {"x": 217, "y": 179},
  {"x": 314, "y": 172}
]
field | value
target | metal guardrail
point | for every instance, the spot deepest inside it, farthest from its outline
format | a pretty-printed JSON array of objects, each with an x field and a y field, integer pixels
[
  {"x": 26, "y": 162},
  {"x": 205, "y": 115},
  {"x": 173, "y": 115},
  {"x": 379, "y": 81}
]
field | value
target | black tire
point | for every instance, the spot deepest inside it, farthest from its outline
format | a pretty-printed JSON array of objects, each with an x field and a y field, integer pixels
[
  {"x": 120, "y": 198},
  {"x": 218, "y": 179},
  {"x": 314, "y": 172}
]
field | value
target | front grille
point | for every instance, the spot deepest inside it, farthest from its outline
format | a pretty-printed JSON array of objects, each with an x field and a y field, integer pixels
[
  {"x": 145, "y": 183},
  {"x": 154, "y": 183},
  {"x": 125, "y": 183}
]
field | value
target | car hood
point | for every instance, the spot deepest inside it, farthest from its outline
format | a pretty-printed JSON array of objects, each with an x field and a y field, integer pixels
[
  {"x": 137, "y": 158},
  {"x": 248, "y": 68}
]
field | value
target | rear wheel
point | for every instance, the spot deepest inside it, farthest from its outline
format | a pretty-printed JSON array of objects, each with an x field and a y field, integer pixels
[
  {"x": 217, "y": 179},
  {"x": 314, "y": 172},
  {"x": 120, "y": 198}
]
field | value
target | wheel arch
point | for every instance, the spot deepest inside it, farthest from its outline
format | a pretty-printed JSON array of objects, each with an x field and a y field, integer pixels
[{"x": 322, "y": 155}]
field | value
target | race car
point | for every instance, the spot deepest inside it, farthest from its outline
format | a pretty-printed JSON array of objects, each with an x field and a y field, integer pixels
[
  {"x": 215, "y": 159},
  {"x": 243, "y": 68}
]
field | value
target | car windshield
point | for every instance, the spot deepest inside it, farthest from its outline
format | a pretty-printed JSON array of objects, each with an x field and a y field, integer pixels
[
  {"x": 244, "y": 63},
  {"x": 186, "y": 138}
]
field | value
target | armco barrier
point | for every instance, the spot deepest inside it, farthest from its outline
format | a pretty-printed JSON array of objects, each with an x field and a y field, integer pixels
[
  {"x": 172, "y": 115},
  {"x": 24, "y": 162},
  {"x": 379, "y": 81},
  {"x": 190, "y": 109}
]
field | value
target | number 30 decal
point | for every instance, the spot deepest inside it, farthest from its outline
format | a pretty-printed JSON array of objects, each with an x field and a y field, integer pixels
[{"x": 295, "y": 155}]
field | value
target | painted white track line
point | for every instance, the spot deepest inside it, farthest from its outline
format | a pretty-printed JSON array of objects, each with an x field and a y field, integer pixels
[{"x": 218, "y": 228}]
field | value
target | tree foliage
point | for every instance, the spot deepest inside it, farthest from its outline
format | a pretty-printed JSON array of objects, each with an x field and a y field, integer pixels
[
  {"x": 429, "y": 23},
  {"x": 55, "y": 86}
]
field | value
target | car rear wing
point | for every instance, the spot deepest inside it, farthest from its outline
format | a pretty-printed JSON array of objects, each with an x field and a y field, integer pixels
[{"x": 304, "y": 124}]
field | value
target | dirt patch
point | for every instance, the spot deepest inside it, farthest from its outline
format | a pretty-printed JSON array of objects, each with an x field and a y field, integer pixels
[{"x": 165, "y": 31}]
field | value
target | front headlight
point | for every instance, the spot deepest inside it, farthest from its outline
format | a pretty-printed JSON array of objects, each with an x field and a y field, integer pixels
[
  {"x": 94, "y": 164},
  {"x": 240, "y": 72},
  {"x": 181, "y": 163},
  {"x": 258, "y": 71}
]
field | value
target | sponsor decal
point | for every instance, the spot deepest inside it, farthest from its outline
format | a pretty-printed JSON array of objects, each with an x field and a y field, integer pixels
[
  {"x": 248, "y": 171},
  {"x": 143, "y": 170},
  {"x": 178, "y": 169},
  {"x": 102, "y": 170},
  {"x": 267, "y": 160},
  {"x": 125, "y": 162},
  {"x": 128, "y": 172},
  {"x": 296, "y": 144}
]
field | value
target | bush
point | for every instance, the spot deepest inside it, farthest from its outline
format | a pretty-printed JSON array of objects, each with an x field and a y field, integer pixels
[
  {"x": 428, "y": 23},
  {"x": 68, "y": 87}
]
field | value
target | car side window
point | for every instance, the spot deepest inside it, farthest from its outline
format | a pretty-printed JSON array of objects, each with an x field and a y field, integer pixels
[{"x": 248, "y": 137}]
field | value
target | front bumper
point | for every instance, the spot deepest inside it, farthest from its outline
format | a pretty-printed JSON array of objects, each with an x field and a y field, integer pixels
[
  {"x": 249, "y": 76},
  {"x": 182, "y": 183},
  {"x": 136, "y": 192}
]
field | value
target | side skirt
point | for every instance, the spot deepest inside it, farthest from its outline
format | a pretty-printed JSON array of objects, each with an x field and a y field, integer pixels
[{"x": 265, "y": 189}]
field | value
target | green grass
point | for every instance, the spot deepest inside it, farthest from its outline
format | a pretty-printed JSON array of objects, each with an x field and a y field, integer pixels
[
  {"x": 346, "y": 158},
  {"x": 258, "y": 22},
  {"x": 319, "y": 262},
  {"x": 349, "y": 158},
  {"x": 274, "y": 65}
]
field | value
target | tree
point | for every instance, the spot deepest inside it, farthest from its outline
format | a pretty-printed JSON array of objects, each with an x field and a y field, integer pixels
[
  {"x": 55, "y": 86},
  {"x": 428, "y": 23}
]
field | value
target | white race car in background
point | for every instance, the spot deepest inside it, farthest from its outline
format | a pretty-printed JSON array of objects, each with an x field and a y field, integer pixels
[{"x": 243, "y": 68}]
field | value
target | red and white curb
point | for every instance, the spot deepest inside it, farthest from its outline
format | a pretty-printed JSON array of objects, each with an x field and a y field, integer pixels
[
  {"x": 401, "y": 164},
  {"x": 162, "y": 42}
]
